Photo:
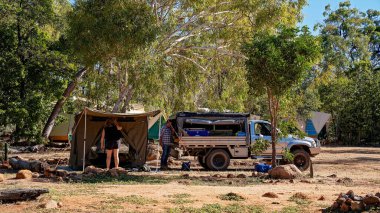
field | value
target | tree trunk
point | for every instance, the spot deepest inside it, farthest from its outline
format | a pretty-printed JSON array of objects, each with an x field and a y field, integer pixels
[
  {"x": 127, "y": 99},
  {"x": 273, "y": 106},
  {"x": 57, "y": 108},
  {"x": 14, "y": 195}
]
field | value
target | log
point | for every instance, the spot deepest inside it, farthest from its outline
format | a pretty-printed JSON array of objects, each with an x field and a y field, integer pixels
[
  {"x": 14, "y": 195},
  {"x": 18, "y": 163}
]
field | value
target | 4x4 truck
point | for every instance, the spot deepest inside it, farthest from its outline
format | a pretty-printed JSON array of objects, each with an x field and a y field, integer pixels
[{"x": 215, "y": 138}]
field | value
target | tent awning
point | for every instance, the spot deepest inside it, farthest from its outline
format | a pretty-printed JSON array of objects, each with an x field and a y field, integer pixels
[{"x": 97, "y": 113}]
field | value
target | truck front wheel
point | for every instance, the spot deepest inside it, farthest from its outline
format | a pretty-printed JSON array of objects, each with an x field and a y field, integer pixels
[
  {"x": 301, "y": 159},
  {"x": 218, "y": 159}
]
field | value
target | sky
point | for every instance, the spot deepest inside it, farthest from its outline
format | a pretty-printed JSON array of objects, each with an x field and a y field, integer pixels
[{"x": 313, "y": 13}]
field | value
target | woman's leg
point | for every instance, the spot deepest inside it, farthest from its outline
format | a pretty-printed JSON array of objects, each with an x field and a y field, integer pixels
[
  {"x": 108, "y": 160},
  {"x": 116, "y": 157}
]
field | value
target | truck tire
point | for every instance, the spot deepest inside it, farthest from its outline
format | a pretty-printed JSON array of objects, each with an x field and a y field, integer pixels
[
  {"x": 200, "y": 161},
  {"x": 217, "y": 160},
  {"x": 301, "y": 159}
]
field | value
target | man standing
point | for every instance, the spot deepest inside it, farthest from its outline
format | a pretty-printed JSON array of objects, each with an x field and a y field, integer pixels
[{"x": 166, "y": 144}]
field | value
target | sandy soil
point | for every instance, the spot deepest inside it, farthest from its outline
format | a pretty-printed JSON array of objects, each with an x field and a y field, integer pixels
[{"x": 194, "y": 194}]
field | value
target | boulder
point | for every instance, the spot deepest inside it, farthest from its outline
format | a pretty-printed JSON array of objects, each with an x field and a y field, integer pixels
[
  {"x": 377, "y": 194},
  {"x": 351, "y": 194},
  {"x": 154, "y": 152},
  {"x": 356, "y": 206},
  {"x": 231, "y": 176},
  {"x": 24, "y": 174},
  {"x": 371, "y": 200},
  {"x": 241, "y": 176},
  {"x": 2, "y": 178},
  {"x": 270, "y": 195},
  {"x": 62, "y": 173},
  {"x": 288, "y": 171},
  {"x": 322, "y": 198},
  {"x": 51, "y": 204},
  {"x": 35, "y": 175},
  {"x": 344, "y": 208}
]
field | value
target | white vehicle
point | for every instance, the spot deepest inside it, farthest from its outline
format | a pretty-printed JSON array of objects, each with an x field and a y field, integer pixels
[{"x": 215, "y": 138}]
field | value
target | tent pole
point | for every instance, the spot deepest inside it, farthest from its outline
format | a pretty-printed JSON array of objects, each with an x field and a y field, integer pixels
[{"x": 84, "y": 137}]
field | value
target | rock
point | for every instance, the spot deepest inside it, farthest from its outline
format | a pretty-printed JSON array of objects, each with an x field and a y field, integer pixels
[
  {"x": 291, "y": 181},
  {"x": 351, "y": 194},
  {"x": 357, "y": 198},
  {"x": 5, "y": 166},
  {"x": 270, "y": 195},
  {"x": 35, "y": 175},
  {"x": 377, "y": 194},
  {"x": 300, "y": 195},
  {"x": 89, "y": 169},
  {"x": 371, "y": 200},
  {"x": 24, "y": 174},
  {"x": 322, "y": 198},
  {"x": 121, "y": 171},
  {"x": 356, "y": 206},
  {"x": 335, "y": 206},
  {"x": 341, "y": 200},
  {"x": 58, "y": 179},
  {"x": 62, "y": 173},
  {"x": 113, "y": 172},
  {"x": 94, "y": 170},
  {"x": 345, "y": 180},
  {"x": 289, "y": 171},
  {"x": 241, "y": 176},
  {"x": 344, "y": 208},
  {"x": 217, "y": 176},
  {"x": 255, "y": 174},
  {"x": 2, "y": 178},
  {"x": 332, "y": 176},
  {"x": 51, "y": 204},
  {"x": 231, "y": 176},
  {"x": 49, "y": 172},
  {"x": 305, "y": 181},
  {"x": 60, "y": 204}
]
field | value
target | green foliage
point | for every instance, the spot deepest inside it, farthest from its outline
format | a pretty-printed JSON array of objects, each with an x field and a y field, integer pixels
[
  {"x": 288, "y": 156},
  {"x": 33, "y": 64},
  {"x": 232, "y": 197},
  {"x": 259, "y": 146},
  {"x": 103, "y": 30},
  {"x": 350, "y": 41}
]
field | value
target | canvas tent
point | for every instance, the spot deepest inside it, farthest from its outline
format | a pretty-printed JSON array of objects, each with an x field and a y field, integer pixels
[
  {"x": 61, "y": 131},
  {"x": 87, "y": 132},
  {"x": 315, "y": 124}
]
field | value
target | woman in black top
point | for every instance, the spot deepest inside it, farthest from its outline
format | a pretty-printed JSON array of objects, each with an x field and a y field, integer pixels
[{"x": 110, "y": 140}]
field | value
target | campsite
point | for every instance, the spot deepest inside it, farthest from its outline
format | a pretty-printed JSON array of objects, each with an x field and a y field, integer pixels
[
  {"x": 195, "y": 106},
  {"x": 174, "y": 191}
]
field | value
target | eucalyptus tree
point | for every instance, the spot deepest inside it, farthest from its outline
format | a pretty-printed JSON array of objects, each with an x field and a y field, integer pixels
[
  {"x": 276, "y": 63},
  {"x": 350, "y": 43},
  {"x": 33, "y": 65}
]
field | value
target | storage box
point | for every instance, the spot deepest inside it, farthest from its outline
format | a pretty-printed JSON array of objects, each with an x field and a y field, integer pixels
[{"x": 197, "y": 132}]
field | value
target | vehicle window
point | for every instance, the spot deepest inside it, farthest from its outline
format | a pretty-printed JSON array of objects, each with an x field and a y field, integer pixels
[{"x": 262, "y": 129}]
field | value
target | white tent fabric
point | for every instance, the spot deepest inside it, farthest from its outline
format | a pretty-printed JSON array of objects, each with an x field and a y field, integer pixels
[{"x": 319, "y": 119}]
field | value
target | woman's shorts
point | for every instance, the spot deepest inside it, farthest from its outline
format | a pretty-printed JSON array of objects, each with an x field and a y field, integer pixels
[{"x": 113, "y": 144}]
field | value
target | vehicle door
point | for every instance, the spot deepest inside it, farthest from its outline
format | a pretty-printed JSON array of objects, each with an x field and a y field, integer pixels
[{"x": 263, "y": 130}]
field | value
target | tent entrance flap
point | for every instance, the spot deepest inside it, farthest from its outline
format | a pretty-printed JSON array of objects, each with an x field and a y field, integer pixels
[{"x": 134, "y": 129}]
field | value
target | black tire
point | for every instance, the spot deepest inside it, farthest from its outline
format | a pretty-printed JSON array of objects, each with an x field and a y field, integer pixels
[
  {"x": 301, "y": 159},
  {"x": 218, "y": 159},
  {"x": 203, "y": 164}
]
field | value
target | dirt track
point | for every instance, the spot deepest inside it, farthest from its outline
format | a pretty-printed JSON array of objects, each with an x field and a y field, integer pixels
[{"x": 362, "y": 165}]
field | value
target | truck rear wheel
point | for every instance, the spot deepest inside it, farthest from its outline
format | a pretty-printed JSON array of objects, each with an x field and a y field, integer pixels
[
  {"x": 200, "y": 160},
  {"x": 301, "y": 159},
  {"x": 218, "y": 159}
]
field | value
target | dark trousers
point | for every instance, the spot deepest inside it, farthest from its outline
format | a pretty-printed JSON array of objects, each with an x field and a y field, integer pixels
[{"x": 165, "y": 154}]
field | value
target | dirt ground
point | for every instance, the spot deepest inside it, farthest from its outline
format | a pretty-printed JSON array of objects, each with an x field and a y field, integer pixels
[{"x": 202, "y": 193}]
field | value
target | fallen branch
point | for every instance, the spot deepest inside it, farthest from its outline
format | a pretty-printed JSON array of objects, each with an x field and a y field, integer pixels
[{"x": 14, "y": 195}]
